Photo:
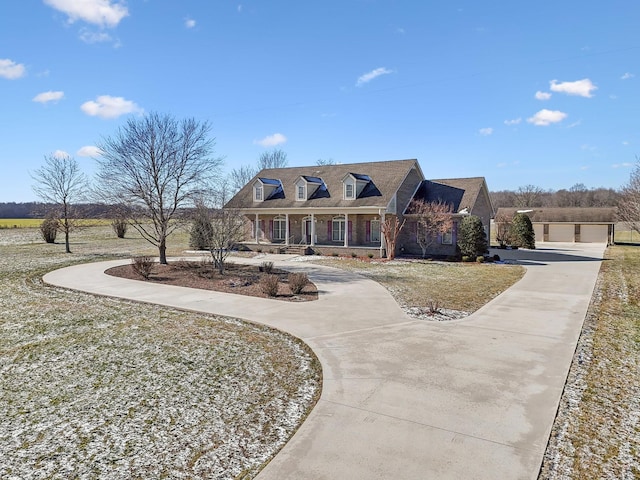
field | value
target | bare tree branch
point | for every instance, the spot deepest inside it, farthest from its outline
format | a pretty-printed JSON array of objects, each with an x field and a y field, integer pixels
[
  {"x": 153, "y": 167},
  {"x": 61, "y": 183}
]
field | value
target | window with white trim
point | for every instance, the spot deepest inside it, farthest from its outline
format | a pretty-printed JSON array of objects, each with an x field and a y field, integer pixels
[
  {"x": 375, "y": 230},
  {"x": 301, "y": 193},
  {"x": 257, "y": 193},
  {"x": 348, "y": 191},
  {"x": 337, "y": 229},
  {"x": 279, "y": 228},
  {"x": 447, "y": 237}
]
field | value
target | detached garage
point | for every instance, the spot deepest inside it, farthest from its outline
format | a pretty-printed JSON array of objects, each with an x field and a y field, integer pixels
[{"x": 585, "y": 225}]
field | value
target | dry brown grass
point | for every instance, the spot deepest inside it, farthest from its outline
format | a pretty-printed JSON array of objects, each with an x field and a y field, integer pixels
[
  {"x": 597, "y": 432},
  {"x": 419, "y": 283}
]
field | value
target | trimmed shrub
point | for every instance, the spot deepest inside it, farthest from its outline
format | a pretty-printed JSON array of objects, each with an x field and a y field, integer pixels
[
  {"x": 480, "y": 259},
  {"x": 433, "y": 306},
  {"x": 49, "y": 230},
  {"x": 466, "y": 258},
  {"x": 269, "y": 285},
  {"x": 201, "y": 232},
  {"x": 143, "y": 265},
  {"x": 496, "y": 258},
  {"x": 370, "y": 255},
  {"x": 354, "y": 255},
  {"x": 119, "y": 227},
  {"x": 472, "y": 240},
  {"x": 522, "y": 233},
  {"x": 297, "y": 282},
  {"x": 266, "y": 267}
]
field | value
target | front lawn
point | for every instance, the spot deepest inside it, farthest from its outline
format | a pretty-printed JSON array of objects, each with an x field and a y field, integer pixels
[
  {"x": 463, "y": 287},
  {"x": 93, "y": 387}
]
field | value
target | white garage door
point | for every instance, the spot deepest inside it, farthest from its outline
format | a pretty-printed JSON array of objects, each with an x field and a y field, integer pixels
[
  {"x": 538, "y": 229},
  {"x": 593, "y": 233},
  {"x": 561, "y": 233}
]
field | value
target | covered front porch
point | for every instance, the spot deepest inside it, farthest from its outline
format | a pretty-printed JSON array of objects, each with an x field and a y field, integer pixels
[{"x": 326, "y": 233}]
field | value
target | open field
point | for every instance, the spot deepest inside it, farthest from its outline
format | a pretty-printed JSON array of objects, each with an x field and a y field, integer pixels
[
  {"x": 597, "y": 431},
  {"x": 93, "y": 387},
  {"x": 35, "y": 222}
]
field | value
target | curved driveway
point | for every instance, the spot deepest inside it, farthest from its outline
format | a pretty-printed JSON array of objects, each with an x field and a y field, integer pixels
[{"x": 468, "y": 399}]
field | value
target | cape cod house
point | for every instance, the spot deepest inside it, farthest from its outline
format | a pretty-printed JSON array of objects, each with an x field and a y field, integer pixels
[{"x": 339, "y": 209}]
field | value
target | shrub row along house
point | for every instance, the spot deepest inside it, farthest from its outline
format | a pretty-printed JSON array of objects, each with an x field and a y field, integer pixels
[{"x": 341, "y": 209}]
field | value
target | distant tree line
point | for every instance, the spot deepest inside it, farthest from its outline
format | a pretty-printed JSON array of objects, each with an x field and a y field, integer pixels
[
  {"x": 41, "y": 210},
  {"x": 576, "y": 196}
]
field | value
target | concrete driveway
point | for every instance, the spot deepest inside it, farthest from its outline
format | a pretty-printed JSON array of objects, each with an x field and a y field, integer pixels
[{"x": 468, "y": 399}]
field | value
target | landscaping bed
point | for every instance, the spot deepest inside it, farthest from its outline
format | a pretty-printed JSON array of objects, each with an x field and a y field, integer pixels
[{"x": 237, "y": 278}]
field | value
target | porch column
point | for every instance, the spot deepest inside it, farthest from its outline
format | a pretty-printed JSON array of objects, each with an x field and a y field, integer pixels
[
  {"x": 257, "y": 229},
  {"x": 313, "y": 229},
  {"x": 346, "y": 229},
  {"x": 286, "y": 229}
]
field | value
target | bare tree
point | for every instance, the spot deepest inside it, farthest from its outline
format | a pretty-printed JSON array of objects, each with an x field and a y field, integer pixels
[
  {"x": 502, "y": 224},
  {"x": 276, "y": 158},
  {"x": 432, "y": 219},
  {"x": 154, "y": 167},
  {"x": 391, "y": 228},
  {"x": 219, "y": 230},
  {"x": 528, "y": 196},
  {"x": 325, "y": 161},
  {"x": 240, "y": 176},
  {"x": 629, "y": 203},
  {"x": 61, "y": 183}
]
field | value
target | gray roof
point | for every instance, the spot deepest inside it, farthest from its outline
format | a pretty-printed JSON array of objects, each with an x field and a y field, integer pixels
[
  {"x": 564, "y": 214},
  {"x": 385, "y": 178},
  {"x": 460, "y": 193}
]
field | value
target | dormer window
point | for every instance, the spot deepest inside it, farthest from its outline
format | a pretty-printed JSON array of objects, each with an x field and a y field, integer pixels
[
  {"x": 301, "y": 193},
  {"x": 354, "y": 184},
  {"x": 266, "y": 189},
  {"x": 308, "y": 188}
]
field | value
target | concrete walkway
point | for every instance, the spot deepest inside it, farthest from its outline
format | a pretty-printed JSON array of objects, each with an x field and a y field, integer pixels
[{"x": 468, "y": 399}]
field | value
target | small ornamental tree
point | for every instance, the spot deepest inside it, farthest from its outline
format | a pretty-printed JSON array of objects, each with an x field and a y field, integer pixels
[
  {"x": 521, "y": 231},
  {"x": 472, "y": 240},
  {"x": 49, "y": 229},
  {"x": 391, "y": 228},
  {"x": 432, "y": 219},
  {"x": 228, "y": 229},
  {"x": 503, "y": 229}
]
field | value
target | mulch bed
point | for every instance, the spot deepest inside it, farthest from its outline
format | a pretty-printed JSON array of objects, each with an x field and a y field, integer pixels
[{"x": 238, "y": 279}]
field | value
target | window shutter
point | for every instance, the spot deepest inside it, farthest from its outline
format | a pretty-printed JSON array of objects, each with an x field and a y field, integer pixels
[
  {"x": 262, "y": 227},
  {"x": 368, "y": 232},
  {"x": 271, "y": 228},
  {"x": 454, "y": 233},
  {"x": 350, "y": 228},
  {"x": 329, "y": 232}
]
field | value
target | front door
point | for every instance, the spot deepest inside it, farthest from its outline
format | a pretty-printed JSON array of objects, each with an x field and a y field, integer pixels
[{"x": 306, "y": 231}]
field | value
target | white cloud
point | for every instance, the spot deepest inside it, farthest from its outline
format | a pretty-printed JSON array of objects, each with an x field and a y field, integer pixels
[
  {"x": 106, "y": 106},
  {"x": 89, "y": 151},
  {"x": 625, "y": 143},
  {"x": 546, "y": 117},
  {"x": 367, "y": 77},
  {"x": 627, "y": 76},
  {"x": 60, "y": 154},
  {"x": 88, "y": 36},
  {"x": 240, "y": 8},
  {"x": 189, "y": 23},
  {"x": 105, "y": 13},
  {"x": 272, "y": 140},
  {"x": 485, "y": 132},
  {"x": 543, "y": 95},
  {"x": 514, "y": 121},
  {"x": 49, "y": 96},
  {"x": 11, "y": 70},
  {"x": 622, "y": 165},
  {"x": 581, "y": 88}
]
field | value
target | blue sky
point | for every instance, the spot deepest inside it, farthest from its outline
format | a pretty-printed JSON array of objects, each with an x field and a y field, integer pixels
[{"x": 542, "y": 93}]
